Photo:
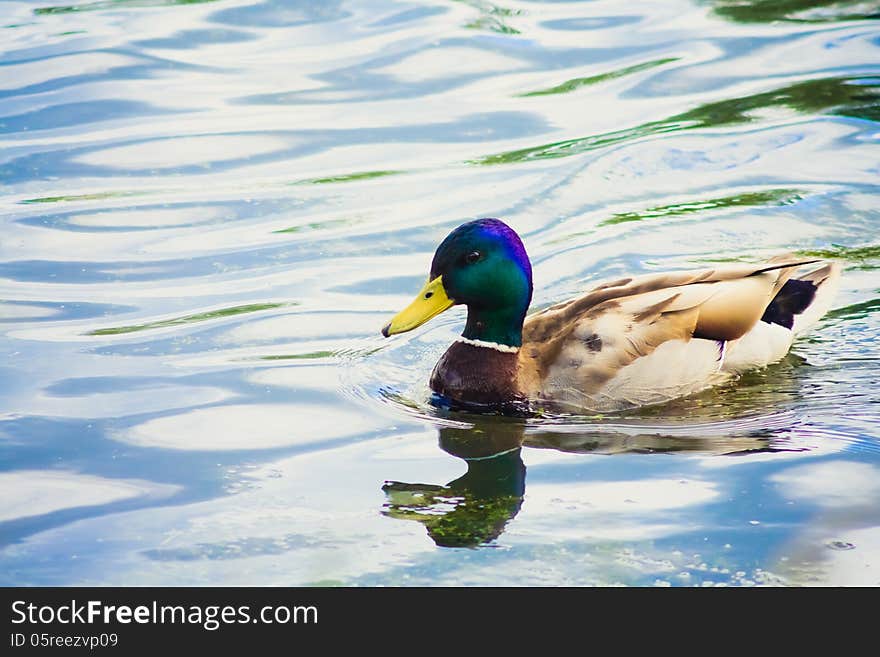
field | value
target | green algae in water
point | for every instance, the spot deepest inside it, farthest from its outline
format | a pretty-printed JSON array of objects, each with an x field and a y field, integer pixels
[
  {"x": 492, "y": 17},
  {"x": 576, "y": 83},
  {"x": 854, "y": 97},
  {"x": 318, "y": 225},
  {"x": 798, "y": 11},
  {"x": 856, "y": 310},
  {"x": 347, "y": 177},
  {"x": 97, "y": 196},
  {"x": 859, "y": 257},
  {"x": 768, "y": 198},
  {"x": 190, "y": 319},
  {"x": 114, "y": 4},
  {"x": 311, "y": 355}
]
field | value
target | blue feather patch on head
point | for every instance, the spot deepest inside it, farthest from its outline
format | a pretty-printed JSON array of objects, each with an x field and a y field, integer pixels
[
  {"x": 516, "y": 249},
  {"x": 474, "y": 232}
]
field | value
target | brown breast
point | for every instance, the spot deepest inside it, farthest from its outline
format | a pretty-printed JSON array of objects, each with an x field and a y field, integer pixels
[{"x": 478, "y": 375}]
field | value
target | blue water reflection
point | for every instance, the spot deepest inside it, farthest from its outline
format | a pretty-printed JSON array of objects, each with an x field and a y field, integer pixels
[{"x": 208, "y": 210}]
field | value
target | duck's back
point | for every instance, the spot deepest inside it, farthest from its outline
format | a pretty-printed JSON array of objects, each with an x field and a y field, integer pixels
[{"x": 646, "y": 340}]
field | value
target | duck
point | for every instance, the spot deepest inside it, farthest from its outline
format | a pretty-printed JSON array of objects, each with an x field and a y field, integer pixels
[{"x": 626, "y": 343}]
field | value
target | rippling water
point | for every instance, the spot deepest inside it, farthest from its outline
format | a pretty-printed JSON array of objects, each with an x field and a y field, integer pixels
[{"x": 209, "y": 208}]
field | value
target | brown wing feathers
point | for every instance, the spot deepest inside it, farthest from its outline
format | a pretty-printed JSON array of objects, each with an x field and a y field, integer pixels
[{"x": 721, "y": 304}]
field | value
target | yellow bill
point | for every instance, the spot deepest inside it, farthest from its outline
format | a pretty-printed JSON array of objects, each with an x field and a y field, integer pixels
[{"x": 430, "y": 302}]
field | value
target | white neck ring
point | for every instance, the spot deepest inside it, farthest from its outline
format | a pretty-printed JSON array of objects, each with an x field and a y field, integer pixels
[{"x": 505, "y": 348}]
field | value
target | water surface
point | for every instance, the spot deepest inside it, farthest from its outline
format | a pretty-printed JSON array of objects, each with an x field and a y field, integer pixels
[{"x": 209, "y": 208}]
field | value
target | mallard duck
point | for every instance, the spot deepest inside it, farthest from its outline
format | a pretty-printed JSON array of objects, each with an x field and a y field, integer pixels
[{"x": 626, "y": 343}]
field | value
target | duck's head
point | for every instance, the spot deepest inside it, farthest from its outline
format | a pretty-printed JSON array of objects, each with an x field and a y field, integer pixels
[{"x": 483, "y": 265}]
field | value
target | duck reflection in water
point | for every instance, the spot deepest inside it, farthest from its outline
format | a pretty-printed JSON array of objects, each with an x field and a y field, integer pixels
[{"x": 475, "y": 509}]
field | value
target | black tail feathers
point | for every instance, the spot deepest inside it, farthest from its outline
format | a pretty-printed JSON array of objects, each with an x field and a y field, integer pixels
[{"x": 792, "y": 299}]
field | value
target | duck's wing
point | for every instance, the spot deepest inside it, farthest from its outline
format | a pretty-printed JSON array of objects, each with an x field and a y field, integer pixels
[
  {"x": 576, "y": 348},
  {"x": 628, "y": 287},
  {"x": 737, "y": 291}
]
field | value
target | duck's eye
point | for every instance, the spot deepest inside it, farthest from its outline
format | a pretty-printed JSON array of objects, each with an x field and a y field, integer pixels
[{"x": 472, "y": 257}]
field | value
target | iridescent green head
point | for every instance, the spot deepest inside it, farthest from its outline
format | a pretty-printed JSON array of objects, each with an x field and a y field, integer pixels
[{"x": 483, "y": 265}]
